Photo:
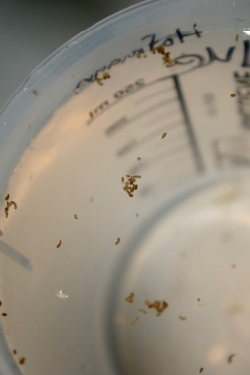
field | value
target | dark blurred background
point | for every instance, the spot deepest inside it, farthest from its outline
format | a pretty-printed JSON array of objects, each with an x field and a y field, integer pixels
[{"x": 30, "y": 30}]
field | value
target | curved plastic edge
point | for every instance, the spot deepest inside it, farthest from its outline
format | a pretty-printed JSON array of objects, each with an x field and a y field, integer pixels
[{"x": 83, "y": 34}]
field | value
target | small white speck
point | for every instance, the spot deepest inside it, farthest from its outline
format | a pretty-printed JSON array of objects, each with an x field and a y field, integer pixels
[{"x": 61, "y": 295}]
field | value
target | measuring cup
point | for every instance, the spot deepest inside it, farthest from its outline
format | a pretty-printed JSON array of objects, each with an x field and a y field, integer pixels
[{"x": 125, "y": 206}]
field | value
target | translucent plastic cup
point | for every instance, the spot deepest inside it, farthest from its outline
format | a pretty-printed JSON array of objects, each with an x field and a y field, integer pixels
[{"x": 125, "y": 185}]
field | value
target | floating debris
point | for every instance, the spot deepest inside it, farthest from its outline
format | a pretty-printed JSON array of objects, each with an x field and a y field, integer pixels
[
  {"x": 99, "y": 80},
  {"x": 22, "y": 361},
  {"x": 130, "y": 185},
  {"x": 75, "y": 216},
  {"x": 8, "y": 205},
  {"x": 117, "y": 241},
  {"x": 59, "y": 244},
  {"x": 167, "y": 60},
  {"x": 159, "y": 306},
  {"x": 164, "y": 135},
  {"x": 181, "y": 317},
  {"x": 130, "y": 298},
  {"x": 233, "y": 95},
  {"x": 230, "y": 358},
  {"x": 201, "y": 369}
]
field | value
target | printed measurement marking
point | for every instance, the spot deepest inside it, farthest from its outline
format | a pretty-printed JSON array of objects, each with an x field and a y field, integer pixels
[
  {"x": 232, "y": 150},
  {"x": 150, "y": 109},
  {"x": 154, "y": 94},
  {"x": 180, "y": 155},
  {"x": 118, "y": 125},
  {"x": 175, "y": 151},
  {"x": 127, "y": 147},
  {"x": 163, "y": 116},
  {"x": 15, "y": 255},
  {"x": 242, "y": 82},
  {"x": 124, "y": 120},
  {"x": 210, "y": 104},
  {"x": 107, "y": 104},
  {"x": 193, "y": 142},
  {"x": 117, "y": 96},
  {"x": 175, "y": 122}
]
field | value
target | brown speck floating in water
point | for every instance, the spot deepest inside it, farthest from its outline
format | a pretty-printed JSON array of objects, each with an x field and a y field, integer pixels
[
  {"x": 117, "y": 241},
  {"x": 130, "y": 298},
  {"x": 91, "y": 199},
  {"x": 106, "y": 75},
  {"x": 1, "y": 303},
  {"x": 22, "y": 360},
  {"x": 237, "y": 37},
  {"x": 6, "y": 210},
  {"x": 164, "y": 135},
  {"x": 233, "y": 265},
  {"x": 134, "y": 321},
  {"x": 99, "y": 80},
  {"x": 130, "y": 185},
  {"x": 138, "y": 55},
  {"x": 145, "y": 56},
  {"x": 12, "y": 203},
  {"x": 75, "y": 216},
  {"x": 8, "y": 205},
  {"x": 201, "y": 369},
  {"x": 1, "y": 233},
  {"x": 233, "y": 95},
  {"x": 4, "y": 314},
  {"x": 181, "y": 317},
  {"x": 137, "y": 215},
  {"x": 230, "y": 358},
  {"x": 144, "y": 312},
  {"x": 14, "y": 351},
  {"x": 160, "y": 49},
  {"x": 139, "y": 158},
  {"x": 159, "y": 306},
  {"x": 59, "y": 244},
  {"x": 167, "y": 60}
]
